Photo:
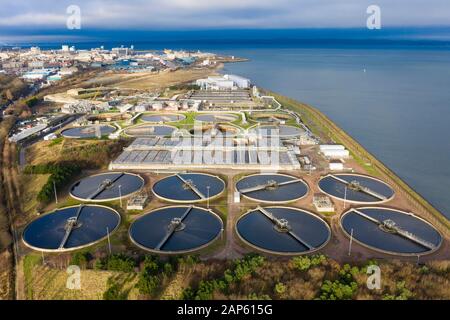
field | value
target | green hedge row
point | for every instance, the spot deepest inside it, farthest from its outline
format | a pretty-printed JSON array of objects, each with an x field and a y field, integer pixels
[{"x": 60, "y": 174}]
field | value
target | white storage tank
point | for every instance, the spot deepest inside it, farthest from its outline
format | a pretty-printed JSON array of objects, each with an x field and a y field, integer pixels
[
  {"x": 336, "y": 154},
  {"x": 50, "y": 136},
  {"x": 324, "y": 147},
  {"x": 336, "y": 166}
]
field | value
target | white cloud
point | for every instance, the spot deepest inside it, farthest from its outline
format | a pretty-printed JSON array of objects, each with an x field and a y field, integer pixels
[
  {"x": 176, "y": 14},
  {"x": 33, "y": 19}
]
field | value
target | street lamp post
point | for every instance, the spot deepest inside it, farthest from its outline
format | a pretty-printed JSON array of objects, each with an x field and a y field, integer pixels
[
  {"x": 120, "y": 195},
  {"x": 345, "y": 197},
  {"x": 350, "y": 243},
  {"x": 109, "y": 240},
  {"x": 207, "y": 196},
  {"x": 54, "y": 189}
]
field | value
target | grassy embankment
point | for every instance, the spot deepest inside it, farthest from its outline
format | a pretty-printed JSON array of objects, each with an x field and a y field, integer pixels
[
  {"x": 43, "y": 282},
  {"x": 322, "y": 126},
  {"x": 84, "y": 154},
  {"x": 152, "y": 80}
]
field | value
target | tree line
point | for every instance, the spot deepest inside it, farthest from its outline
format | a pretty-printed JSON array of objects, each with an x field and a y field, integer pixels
[{"x": 60, "y": 174}]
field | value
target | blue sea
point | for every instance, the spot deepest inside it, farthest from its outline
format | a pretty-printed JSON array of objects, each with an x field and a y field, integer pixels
[
  {"x": 392, "y": 96},
  {"x": 395, "y": 102}
]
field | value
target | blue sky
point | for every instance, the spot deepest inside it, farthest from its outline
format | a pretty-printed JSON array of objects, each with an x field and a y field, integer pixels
[{"x": 48, "y": 17}]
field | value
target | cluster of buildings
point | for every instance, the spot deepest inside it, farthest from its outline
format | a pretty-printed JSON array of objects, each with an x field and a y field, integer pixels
[
  {"x": 336, "y": 155},
  {"x": 37, "y": 66},
  {"x": 46, "y": 66},
  {"x": 221, "y": 92},
  {"x": 98, "y": 100},
  {"x": 188, "y": 56},
  {"x": 85, "y": 106},
  {"x": 38, "y": 127},
  {"x": 162, "y": 105}
]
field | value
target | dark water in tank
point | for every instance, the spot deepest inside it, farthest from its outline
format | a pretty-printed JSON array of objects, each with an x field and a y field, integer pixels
[
  {"x": 173, "y": 188},
  {"x": 87, "y": 131},
  {"x": 209, "y": 117},
  {"x": 257, "y": 229},
  {"x": 86, "y": 187},
  {"x": 210, "y": 130},
  {"x": 337, "y": 188},
  {"x": 47, "y": 232},
  {"x": 281, "y": 193},
  {"x": 370, "y": 233},
  {"x": 273, "y": 130},
  {"x": 272, "y": 118},
  {"x": 150, "y": 130},
  {"x": 162, "y": 117},
  {"x": 201, "y": 227}
]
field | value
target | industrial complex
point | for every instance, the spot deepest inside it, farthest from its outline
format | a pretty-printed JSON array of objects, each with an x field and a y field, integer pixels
[
  {"x": 230, "y": 142},
  {"x": 212, "y": 166}
]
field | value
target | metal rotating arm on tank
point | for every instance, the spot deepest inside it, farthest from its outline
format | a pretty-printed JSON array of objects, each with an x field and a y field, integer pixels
[
  {"x": 103, "y": 185},
  {"x": 222, "y": 117},
  {"x": 390, "y": 226},
  {"x": 359, "y": 187},
  {"x": 275, "y": 119},
  {"x": 70, "y": 224},
  {"x": 172, "y": 227},
  {"x": 269, "y": 184},
  {"x": 191, "y": 186},
  {"x": 278, "y": 222}
]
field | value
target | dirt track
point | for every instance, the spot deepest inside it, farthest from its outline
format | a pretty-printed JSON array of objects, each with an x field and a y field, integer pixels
[{"x": 13, "y": 205}]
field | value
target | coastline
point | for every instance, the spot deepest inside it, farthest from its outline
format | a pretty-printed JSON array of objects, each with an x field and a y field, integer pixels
[
  {"x": 320, "y": 124},
  {"x": 327, "y": 130}
]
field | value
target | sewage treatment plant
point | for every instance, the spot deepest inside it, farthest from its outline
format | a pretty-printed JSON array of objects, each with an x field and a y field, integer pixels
[
  {"x": 149, "y": 174},
  {"x": 283, "y": 230},
  {"x": 391, "y": 231},
  {"x": 213, "y": 118},
  {"x": 71, "y": 228},
  {"x": 242, "y": 180},
  {"x": 162, "y": 117},
  {"x": 356, "y": 188},
  {"x": 178, "y": 229},
  {"x": 272, "y": 188},
  {"x": 147, "y": 130},
  {"x": 85, "y": 132},
  {"x": 106, "y": 186},
  {"x": 189, "y": 187}
]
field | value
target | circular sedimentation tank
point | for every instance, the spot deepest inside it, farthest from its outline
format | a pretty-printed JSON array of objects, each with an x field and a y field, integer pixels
[
  {"x": 391, "y": 231},
  {"x": 283, "y": 230},
  {"x": 85, "y": 132},
  {"x": 71, "y": 228},
  {"x": 356, "y": 188},
  {"x": 216, "y": 117},
  {"x": 272, "y": 188},
  {"x": 150, "y": 131},
  {"x": 215, "y": 130},
  {"x": 162, "y": 117},
  {"x": 271, "y": 117},
  {"x": 176, "y": 229},
  {"x": 189, "y": 187},
  {"x": 282, "y": 131},
  {"x": 106, "y": 186}
]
